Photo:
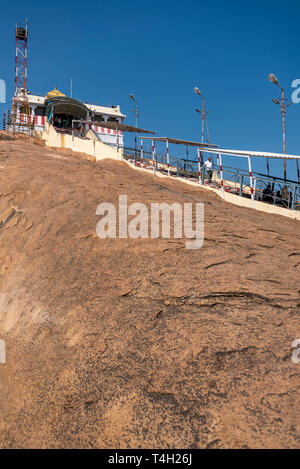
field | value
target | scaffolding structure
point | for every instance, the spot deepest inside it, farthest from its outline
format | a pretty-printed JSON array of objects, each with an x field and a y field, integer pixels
[{"x": 20, "y": 99}]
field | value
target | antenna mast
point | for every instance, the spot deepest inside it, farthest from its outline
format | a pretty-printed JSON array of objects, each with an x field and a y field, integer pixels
[{"x": 20, "y": 109}]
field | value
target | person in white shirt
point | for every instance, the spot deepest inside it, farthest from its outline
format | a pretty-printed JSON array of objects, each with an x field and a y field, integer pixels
[{"x": 208, "y": 167}]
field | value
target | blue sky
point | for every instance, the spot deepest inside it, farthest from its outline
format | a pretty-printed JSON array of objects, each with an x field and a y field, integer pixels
[{"x": 159, "y": 51}]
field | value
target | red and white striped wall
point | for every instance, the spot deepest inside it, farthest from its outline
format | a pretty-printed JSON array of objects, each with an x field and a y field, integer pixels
[
  {"x": 108, "y": 135},
  {"x": 39, "y": 120},
  {"x": 104, "y": 130}
]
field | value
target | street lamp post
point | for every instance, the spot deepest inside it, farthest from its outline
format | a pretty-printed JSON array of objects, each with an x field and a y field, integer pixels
[
  {"x": 284, "y": 106},
  {"x": 203, "y": 113},
  {"x": 136, "y": 120},
  {"x": 197, "y": 91}
]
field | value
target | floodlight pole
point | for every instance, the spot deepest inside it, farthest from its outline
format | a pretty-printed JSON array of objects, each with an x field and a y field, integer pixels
[
  {"x": 136, "y": 124},
  {"x": 204, "y": 113},
  {"x": 203, "y": 118},
  {"x": 283, "y": 112},
  {"x": 284, "y": 106},
  {"x": 136, "y": 120}
]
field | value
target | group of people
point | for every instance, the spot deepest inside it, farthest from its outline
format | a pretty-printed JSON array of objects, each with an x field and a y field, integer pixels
[
  {"x": 283, "y": 195},
  {"x": 63, "y": 122}
]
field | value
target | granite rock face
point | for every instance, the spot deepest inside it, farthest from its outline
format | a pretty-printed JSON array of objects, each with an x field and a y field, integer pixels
[{"x": 123, "y": 343}]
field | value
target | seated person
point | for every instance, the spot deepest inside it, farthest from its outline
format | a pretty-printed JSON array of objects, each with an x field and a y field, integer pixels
[
  {"x": 267, "y": 194},
  {"x": 285, "y": 193}
]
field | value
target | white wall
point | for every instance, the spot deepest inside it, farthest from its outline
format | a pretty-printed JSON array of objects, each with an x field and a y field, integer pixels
[{"x": 91, "y": 147}]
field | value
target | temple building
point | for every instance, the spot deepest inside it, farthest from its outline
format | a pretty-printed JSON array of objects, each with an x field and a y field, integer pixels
[{"x": 61, "y": 111}]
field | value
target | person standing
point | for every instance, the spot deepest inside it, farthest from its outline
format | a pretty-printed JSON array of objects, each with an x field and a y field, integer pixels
[{"x": 208, "y": 167}]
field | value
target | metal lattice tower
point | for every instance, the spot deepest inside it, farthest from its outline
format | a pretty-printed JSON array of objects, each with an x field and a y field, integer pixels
[{"x": 20, "y": 95}]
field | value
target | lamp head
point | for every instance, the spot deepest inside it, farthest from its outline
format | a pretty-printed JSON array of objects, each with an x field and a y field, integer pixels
[
  {"x": 197, "y": 91},
  {"x": 275, "y": 101},
  {"x": 273, "y": 79}
]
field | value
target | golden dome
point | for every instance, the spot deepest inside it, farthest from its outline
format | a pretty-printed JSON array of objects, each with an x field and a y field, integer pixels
[{"x": 54, "y": 93}]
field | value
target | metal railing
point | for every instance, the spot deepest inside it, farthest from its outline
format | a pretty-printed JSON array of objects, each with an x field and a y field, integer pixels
[{"x": 268, "y": 189}]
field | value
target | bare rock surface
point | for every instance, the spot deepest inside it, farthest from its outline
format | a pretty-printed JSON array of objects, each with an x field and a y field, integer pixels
[{"x": 123, "y": 343}]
